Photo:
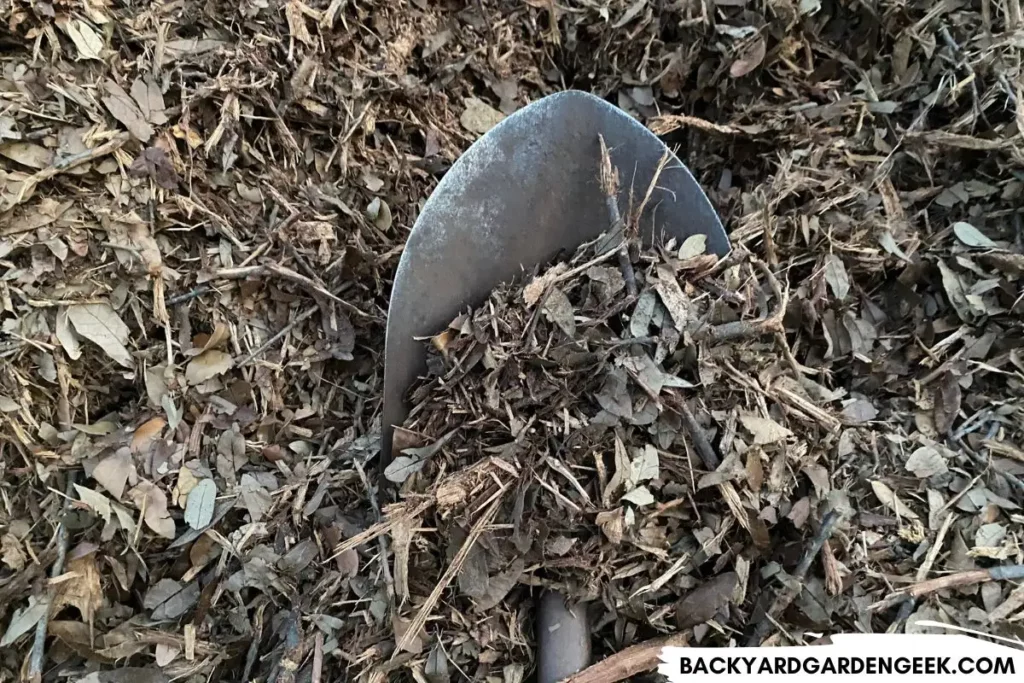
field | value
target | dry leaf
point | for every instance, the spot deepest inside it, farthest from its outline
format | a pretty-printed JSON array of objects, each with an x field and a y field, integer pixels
[
  {"x": 112, "y": 472},
  {"x": 147, "y": 497},
  {"x": 479, "y": 117},
  {"x": 123, "y": 108},
  {"x": 926, "y": 462},
  {"x": 150, "y": 100},
  {"x": 84, "y": 591},
  {"x": 971, "y": 236},
  {"x": 703, "y": 603},
  {"x": 86, "y": 40},
  {"x": 835, "y": 275},
  {"x": 27, "y": 154},
  {"x": 148, "y": 432},
  {"x": 890, "y": 500},
  {"x": 208, "y": 365},
  {"x": 101, "y": 325},
  {"x": 201, "y": 501},
  {"x": 764, "y": 430},
  {"x": 99, "y": 503},
  {"x": 24, "y": 620},
  {"x": 750, "y": 58},
  {"x": 66, "y": 335}
]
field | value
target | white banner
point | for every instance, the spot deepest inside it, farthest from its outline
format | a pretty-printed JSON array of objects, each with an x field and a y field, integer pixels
[{"x": 850, "y": 658}]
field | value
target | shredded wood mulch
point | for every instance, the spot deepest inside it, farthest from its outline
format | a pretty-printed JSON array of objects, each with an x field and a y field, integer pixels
[{"x": 201, "y": 208}]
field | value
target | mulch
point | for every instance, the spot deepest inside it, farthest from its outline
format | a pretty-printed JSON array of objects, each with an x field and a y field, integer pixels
[{"x": 203, "y": 206}]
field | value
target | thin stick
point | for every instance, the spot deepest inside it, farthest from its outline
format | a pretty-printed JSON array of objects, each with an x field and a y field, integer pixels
[
  {"x": 786, "y": 597},
  {"x": 284, "y": 330},
  {"x": 960, "y": 579},
  {"x": 609, "y": 176},
  {"x": 630, "y": 662},
  {"x": 28, "y": 187},
  {"x": 700, "y": 440},
  {"x": 460, "y": 558},
  {"x": 35, "y": 666},
  {"x": 750, "y": 328}
]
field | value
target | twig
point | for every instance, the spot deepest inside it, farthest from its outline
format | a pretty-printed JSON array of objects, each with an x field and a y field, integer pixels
[
  {"x": 700, "y": 440},
  {"x": 35, "y": 666},
  {"x": 742, "y": 329},
  {"x": 969, "y": 578},
  {"x": 284, "y": 330},
  {"x": 30, "y": 184},
  {"x": 666, "y": 123},
  {"x": 630, "y": 662},
  {"x": 789, "y": 593},
  {"x": 188, "y": 296},
  {"x": 609, "y": 176},
  {"x": 456, "y": 564}
]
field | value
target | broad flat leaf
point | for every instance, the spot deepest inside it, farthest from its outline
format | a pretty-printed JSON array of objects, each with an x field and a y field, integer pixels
[
  {"x": 148, "y": 432},
  {"x": 403, "y": 467},
  {"x": 155, "y": 163},
  {"x": 695, "y": 245},
  {"x": 890, "y": 500},
  {"x": 88, "y": 42},
  {"x": 112, "y": 472},
  {"x": 639, "y": 496},
  {"x": 749, "y": 59},
  {"x": 201, "y": 500},
  {"x": 150, "y": 100},
  {"x": 123, "y": 108},
  {"x": 645, "y": 466},
  {"x": 672, "y": 295},
  {"x": 971, "y": 236},
  {"x": 559, "y": 311},
  {"x": 764, "y": 430},
  {"x": 156, "y": 385},
  {"x": 27, "y": 154},
  {"x": 703, "y": 603},
  {"x": 99, "y": 503},
  {"x": 640, "y": 321},
  {"x": 208, "y": 365},
  {"x": 835, "y": 275},
  {"x": 990, "y": 536},
  {"x": 153, "y": 501},
  {"x": 956, "y": 292},
  {"x": 100, "y": 324},
  {"x": 926, "y": 462},
  {"x": 299, "y": 557},
  {"x": 379, "y": 212},
  {"x": 67, "y": 337},
  {"x": 479, "y": 117},
  {"x": 859, "y": 411},
  {"x": 23, "y": 621},
  {"x": 169, "y": 599},
  {"x": 255, "y": 497}
]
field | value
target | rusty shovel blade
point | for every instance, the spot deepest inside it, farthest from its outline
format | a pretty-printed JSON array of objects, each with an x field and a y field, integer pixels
[{"x": 519, "y": 195}]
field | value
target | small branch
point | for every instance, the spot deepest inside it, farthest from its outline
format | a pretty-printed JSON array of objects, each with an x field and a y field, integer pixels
[
  {"x": 28, "y": 187},
  {"x": 788, "y": 594},
  {"x": 277, "y": 337},
  {"x": 743, "y": 329},
  {"x": 968, "y": 578},
  {"x": 700, "y": 440},
  {"x": 632, "y": 661},
  {"x": 609, "y": 177},
  {"x": 35, "y": 665}
]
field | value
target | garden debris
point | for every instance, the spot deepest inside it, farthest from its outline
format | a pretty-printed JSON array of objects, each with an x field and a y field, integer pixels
[{"x": 202, "y": 206}]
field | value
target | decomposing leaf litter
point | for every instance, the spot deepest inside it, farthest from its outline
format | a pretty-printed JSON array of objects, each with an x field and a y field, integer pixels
[{"x": 202, "y": 206}]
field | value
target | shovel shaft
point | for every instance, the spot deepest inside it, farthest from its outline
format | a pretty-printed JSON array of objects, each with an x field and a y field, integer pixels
[{"x": 563, "y": 638}]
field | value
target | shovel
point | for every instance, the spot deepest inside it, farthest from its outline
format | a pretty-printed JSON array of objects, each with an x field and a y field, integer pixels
[{"x": 521, "y": 194}]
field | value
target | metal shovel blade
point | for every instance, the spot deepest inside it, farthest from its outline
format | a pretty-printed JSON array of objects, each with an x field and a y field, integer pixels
[{"x": 520, "y": 194}]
